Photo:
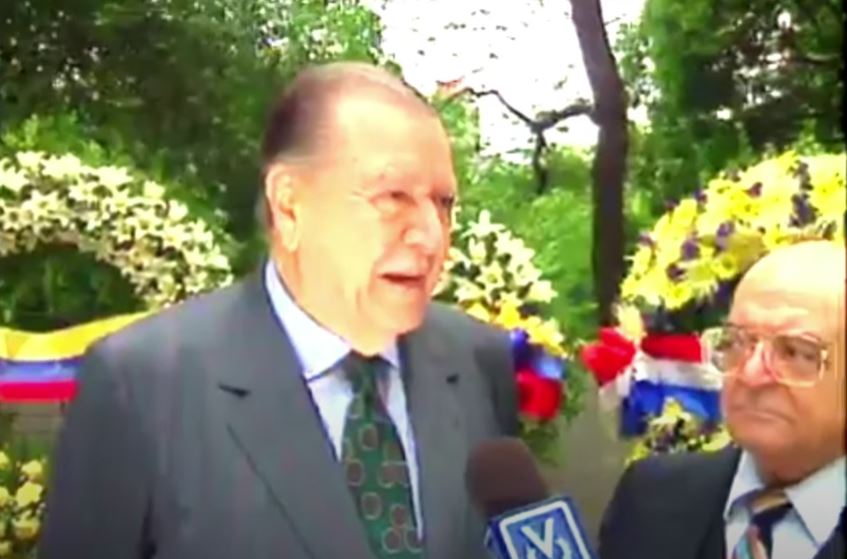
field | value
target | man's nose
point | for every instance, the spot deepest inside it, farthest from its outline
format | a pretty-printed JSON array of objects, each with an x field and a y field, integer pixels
[
  {"x": 755, "y": 371},
  {"x": 427, "y": 229}
]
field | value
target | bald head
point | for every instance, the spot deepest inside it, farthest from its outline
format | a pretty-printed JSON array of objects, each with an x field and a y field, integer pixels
[{"x": 811, "y": 274}]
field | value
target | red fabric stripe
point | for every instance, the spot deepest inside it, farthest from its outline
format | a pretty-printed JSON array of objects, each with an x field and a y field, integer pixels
[{"x": 37, "y": 392}]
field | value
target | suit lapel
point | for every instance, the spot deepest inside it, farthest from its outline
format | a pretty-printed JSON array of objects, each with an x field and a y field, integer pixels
[
  {"x": 834, "y": 548},
  {"x": 693, "y": 523},
  {"x": 711, "y": 492},
  {"x": 273, "y": 421},
  {"x": 431, "y": 383}
]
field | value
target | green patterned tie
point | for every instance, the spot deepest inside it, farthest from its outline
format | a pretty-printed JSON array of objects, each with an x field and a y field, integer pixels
[{"x": 375, "y": 465}]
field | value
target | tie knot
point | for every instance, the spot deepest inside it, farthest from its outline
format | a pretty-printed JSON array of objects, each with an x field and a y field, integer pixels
[
  {"x": 363, "y": 372},
  {"x": 768, "y": 506}
]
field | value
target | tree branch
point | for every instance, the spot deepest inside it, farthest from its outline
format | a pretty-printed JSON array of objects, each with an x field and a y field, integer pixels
[{"x": 538, "y": 126}]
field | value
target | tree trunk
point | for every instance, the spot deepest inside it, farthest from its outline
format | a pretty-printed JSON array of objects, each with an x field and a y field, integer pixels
[{"x": 609, "y": 168}]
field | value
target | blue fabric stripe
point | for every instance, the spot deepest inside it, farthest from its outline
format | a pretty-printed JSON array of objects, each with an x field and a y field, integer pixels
[{"x": 12, "y": 371}]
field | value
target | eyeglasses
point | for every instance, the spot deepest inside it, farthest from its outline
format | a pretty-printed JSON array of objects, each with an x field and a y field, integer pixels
[{"x": 795, "y": 360}]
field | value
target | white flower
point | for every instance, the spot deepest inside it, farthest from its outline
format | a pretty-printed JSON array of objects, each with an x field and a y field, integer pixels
[
  {"x": 467, "y": 291},
  {"x": 112, "y": 177},
  {"x": 61, "y": 167},
  {"x": 12, "y": 179},
  {"x": 515, "y": 248},
  {"x": 177, "y": 210},
  {"x": 483, "y": 227},
  {"x": 153, "y": 190},
  {"x": 541, "y": 291},
  {"x": 477, "y": 251},
  {"x": 75, "y": 209},
  {"x": 28, "y": 159}
]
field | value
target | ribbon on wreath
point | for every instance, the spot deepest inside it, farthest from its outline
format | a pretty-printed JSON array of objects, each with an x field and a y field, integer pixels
[
  {"x": 42, "y": 367},
  {"x": 639, "y": 378},
  {"x": 540, "y": 378}
]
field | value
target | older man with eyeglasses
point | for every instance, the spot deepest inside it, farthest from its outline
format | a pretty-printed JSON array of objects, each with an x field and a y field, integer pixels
[{"x": 779, "y": 491}]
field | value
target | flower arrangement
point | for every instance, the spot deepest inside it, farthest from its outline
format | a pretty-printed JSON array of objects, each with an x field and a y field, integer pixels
[
  {"x": 680, "y": 281},
  {"x": 122, "y": 219},
  {"x": 490, "y": 275},
  {"x": 700, "y": 247},
  {"x": 21, "y": 504},
  {"x": 678, "y": 430}
]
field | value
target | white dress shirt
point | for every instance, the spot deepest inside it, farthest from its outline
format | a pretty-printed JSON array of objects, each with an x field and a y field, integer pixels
[
  {"x": 319, "y": 352},
  {"x": 816, "y": 505}
]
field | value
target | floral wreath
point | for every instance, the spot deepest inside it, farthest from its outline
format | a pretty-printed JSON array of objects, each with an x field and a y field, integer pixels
[
  {"x": 124, "y": 221},
  {"x": 682, "y": 275},
  {"x": 165, "y": 254},
  {"x": 490, "y": 275}
]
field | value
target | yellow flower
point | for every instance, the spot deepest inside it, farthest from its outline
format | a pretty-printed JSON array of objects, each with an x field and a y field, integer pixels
[
  {"x": 478, "y": 310},
  {"x": 678, "y": 294},
  {"x": 4, "y": 460},
  {"x": 25, "y": 527},
  {"x": 545, "y": 333},
  {"x": 509, "y": 317},
  {"x": 29, "y": 493},
  {"x": 630, "y": 287},
  {"x": 700, "y": 276},
  {"x": 33, "y": 470},
  {"x": 653, "y": 285},
  {"x": 684, "y": 214},
  {"x": 718, "y": 441},
  {"x": 725, "y": 265},
  {"x": 5, "y": 549},
  {"x": 829, "y": 202},
  {"x": 630, "y": 322}
]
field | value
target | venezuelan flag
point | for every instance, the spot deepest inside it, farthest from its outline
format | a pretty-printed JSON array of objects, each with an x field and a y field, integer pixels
[{"x": 42, "y": 367}]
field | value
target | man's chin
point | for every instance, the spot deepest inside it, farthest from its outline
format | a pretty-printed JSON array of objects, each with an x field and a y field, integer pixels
[
  {"x": 763, "y": 436},
  {"x": 401, "y": 319}
]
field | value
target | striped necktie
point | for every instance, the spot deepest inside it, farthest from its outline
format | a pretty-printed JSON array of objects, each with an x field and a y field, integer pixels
[
  {"x": 767, "y": 507},
  {"x": 375, "y": 465}
]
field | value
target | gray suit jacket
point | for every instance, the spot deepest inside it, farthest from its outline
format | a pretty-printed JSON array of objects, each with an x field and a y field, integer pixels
[
  {"x": 193, "y": 436},
  {"x": 671, "y": 507}
]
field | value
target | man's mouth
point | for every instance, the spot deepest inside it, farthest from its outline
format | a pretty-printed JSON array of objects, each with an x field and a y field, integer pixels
[{"x": 412, "y": 281}]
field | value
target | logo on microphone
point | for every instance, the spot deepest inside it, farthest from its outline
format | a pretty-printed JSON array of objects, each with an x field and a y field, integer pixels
[{"x": 546, "y": 530}]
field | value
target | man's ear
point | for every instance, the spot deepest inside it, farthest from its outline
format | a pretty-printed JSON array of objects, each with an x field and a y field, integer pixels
[{"x": 283, "y": 206}]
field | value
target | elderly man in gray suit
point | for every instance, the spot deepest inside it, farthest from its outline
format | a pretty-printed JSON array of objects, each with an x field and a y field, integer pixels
[{"x": 322, "y": 408}]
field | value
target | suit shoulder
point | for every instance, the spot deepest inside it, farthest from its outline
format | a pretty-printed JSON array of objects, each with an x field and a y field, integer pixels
[
  {"x": 664, "y": 469},
  {"x": 183, "y": 323},
  {"x": 461, "y": 322}
]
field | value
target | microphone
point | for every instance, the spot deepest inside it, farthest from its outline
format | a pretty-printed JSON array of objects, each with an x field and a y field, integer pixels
[{"x": 524, "y": 522}]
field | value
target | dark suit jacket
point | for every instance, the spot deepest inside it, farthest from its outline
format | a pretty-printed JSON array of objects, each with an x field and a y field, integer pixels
[
  {"x": 193, "y": 436},
  {"x": 671, "y": 507}
]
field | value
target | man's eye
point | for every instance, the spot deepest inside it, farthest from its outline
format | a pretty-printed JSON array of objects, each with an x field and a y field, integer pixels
[{"x": 447, "y": 202}]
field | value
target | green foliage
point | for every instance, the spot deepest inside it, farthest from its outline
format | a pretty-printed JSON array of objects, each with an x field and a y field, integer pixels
[
  {"x": 55, "y": 287},
  {"x": 178, "y": 85},
  {"x": 724, "y": 82}
]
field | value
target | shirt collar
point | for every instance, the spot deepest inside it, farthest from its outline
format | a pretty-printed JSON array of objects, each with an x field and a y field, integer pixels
[
  {"x": 817, "y": 499},
  {"x": 317, "y": 347}
]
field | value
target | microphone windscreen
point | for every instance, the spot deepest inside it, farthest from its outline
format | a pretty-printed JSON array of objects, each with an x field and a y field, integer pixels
[{"x": 501, "y": 475}]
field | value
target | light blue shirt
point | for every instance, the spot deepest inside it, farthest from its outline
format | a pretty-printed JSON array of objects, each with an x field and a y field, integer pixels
[
  {"x": 319, "y": 351},
  {"x": 816, "y": 505}
]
